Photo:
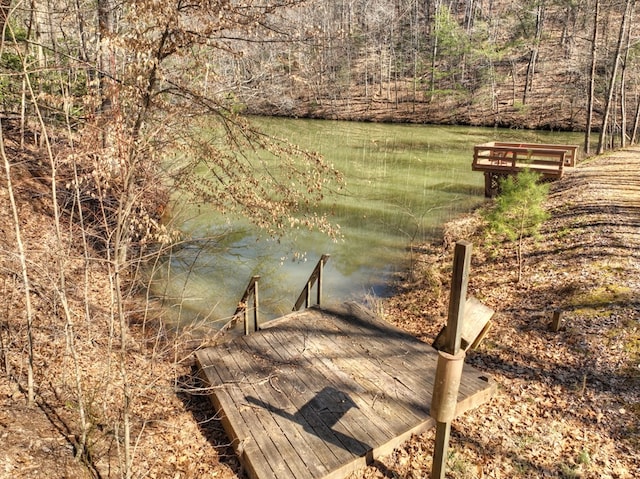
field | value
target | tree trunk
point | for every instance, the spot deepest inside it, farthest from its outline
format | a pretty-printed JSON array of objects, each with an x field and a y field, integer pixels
[
  {"x": 533, "y": 58},
  {"x": 25, "y": 274},
  {"x": 592, "y": 79},
  {"x": 105, "y": 60},
  {"x": 5, "y": 8},
  {"x": 636, "y": 122},
  {"x": 616, "y": 61},
  {"x": 435, "y": 31},
  {"x": 623, "y": 85},
  {"x": 82, "y": 38}
]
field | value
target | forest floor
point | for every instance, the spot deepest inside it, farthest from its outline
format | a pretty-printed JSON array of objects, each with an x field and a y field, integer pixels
[{"x": 568, "y": 402}]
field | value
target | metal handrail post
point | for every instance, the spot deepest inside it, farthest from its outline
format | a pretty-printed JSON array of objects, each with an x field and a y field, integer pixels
[
  {"x": 319, "y": 291},
  {"x": 243, "y": 305}
]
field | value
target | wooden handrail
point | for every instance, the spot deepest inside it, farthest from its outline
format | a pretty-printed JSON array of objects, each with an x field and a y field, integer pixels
[
  {"x": 571, "y": 151},
  {"x": 500, "y": 159},
  {"x": 540, "y": 153},
  {"x": 316, "y": 275},
  {"x": 252, "y": 290}
]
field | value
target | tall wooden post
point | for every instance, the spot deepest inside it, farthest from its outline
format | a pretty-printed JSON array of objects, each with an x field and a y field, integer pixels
[{"x": 450, "y": 360}]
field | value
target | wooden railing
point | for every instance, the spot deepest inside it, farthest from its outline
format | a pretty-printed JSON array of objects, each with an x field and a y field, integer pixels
[
  {"x": 243, "y": 305},
  {"x": 316, "y": 276},
  {"x": 252, "y": 324},
  {"x": 570, "y": 151},
  {"x": 512, "y": 159},
  {"x": 499, "y": 159}
]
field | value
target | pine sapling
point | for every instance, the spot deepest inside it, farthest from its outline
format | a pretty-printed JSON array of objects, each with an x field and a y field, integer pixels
[{"x": 519, "y": 211}]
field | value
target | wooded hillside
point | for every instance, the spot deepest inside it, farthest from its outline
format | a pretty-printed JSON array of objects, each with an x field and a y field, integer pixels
[{"x": 526, "y": 63}]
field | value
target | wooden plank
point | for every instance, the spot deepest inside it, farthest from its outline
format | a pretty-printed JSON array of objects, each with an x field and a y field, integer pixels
[
  {"x": 260, "y": 426},
  {"x": 471, "y": 399},
  {"x": 476, "y": 318},
  {"x": 511, "y": 158},
  {"x": 237, "y": 426},
  {"x": 284, "y": 427},
  {"x": 383, "y": 384},
  {"x": 571, "y": 150},
  {"x": 391, "y": 348},
  {"x": 373, "y": 418},
  {"x": 391, "y": 373},
  {"x": 406, "y": 363},
  {"x": 297, "y": 388},
  {"x": 419, "y": 424},
  {"x": 413, "y": 367},
  {"x": 355, "y": 446},
  {"x": 364, "y": 394}
]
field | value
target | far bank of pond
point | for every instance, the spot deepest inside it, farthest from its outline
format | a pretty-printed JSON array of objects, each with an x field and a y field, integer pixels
[{"x": 402, "y": 183}]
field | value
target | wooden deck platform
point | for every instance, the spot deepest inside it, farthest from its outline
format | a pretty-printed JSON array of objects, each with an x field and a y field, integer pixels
[
  {"x": 498, "y": 159},
  {"x": 322, "y": 392}
]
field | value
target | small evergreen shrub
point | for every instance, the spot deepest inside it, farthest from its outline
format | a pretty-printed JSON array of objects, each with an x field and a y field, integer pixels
[{"x": 519, "y": 210}]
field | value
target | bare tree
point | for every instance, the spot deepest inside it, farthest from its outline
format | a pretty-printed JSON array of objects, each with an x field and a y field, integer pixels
[
  {"x": 5, "y": 6},
  {"x": 535, "y": 48},
  {"x": 614, "y": 75},
  {"x": 623, "y": 83},
  {"x": 592, "y": 77},
  {"x": 22, "y": 256}
]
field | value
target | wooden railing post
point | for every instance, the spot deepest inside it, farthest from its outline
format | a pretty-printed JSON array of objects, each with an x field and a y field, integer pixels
[
  {"x": 255, "y": 304},
  {"x": 243, "y": 305},
  {"x": 319, "y": 289},
  {"x": 450, "y": 361},
  {"x": 316, "y": 276}
]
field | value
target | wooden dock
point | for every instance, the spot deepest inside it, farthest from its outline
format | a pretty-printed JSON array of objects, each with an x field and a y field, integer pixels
[
  {"x": 322, "y": 392},
  {"x": 499, "y": 159}
]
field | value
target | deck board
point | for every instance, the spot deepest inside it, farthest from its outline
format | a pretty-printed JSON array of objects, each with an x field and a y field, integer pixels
[{"x": 320, "y": 393}]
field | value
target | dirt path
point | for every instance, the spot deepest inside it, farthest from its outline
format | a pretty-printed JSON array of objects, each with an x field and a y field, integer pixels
[{"x": 569, "y": 401}]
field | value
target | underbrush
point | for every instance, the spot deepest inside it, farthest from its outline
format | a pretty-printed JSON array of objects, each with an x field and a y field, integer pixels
[{"x": 88, "y": 355}]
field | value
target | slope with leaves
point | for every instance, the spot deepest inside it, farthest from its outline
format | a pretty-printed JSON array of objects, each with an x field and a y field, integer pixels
[{"x": 568, "y": 403}]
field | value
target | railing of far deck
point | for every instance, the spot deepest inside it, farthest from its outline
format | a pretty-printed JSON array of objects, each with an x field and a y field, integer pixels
[{"x": 316, "y": 276}]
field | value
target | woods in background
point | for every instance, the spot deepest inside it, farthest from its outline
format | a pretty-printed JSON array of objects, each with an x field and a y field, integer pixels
[{"x": 533, "y": 63}]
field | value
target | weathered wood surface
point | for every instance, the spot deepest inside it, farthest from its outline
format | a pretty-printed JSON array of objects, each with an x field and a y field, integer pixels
[
  {"x": 476, "y": 323},
  {"x": 570, "y": 151},
  {"x": 322, "y": 392},
  {"x": 511, "y": 158},
  {"x": 500, "y": 159}
]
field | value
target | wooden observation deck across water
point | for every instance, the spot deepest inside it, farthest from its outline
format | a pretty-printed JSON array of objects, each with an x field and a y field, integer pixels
[
  {"x": 500, "y": 159},
  {"x": 322, "y": 392}
]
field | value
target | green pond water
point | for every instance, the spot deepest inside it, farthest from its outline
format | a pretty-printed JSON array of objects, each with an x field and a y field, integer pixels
[{"x": 402, "y": 183}]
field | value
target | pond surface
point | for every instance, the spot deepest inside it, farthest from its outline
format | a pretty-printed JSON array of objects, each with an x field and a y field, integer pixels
[{"x": 402, "y": 183}]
